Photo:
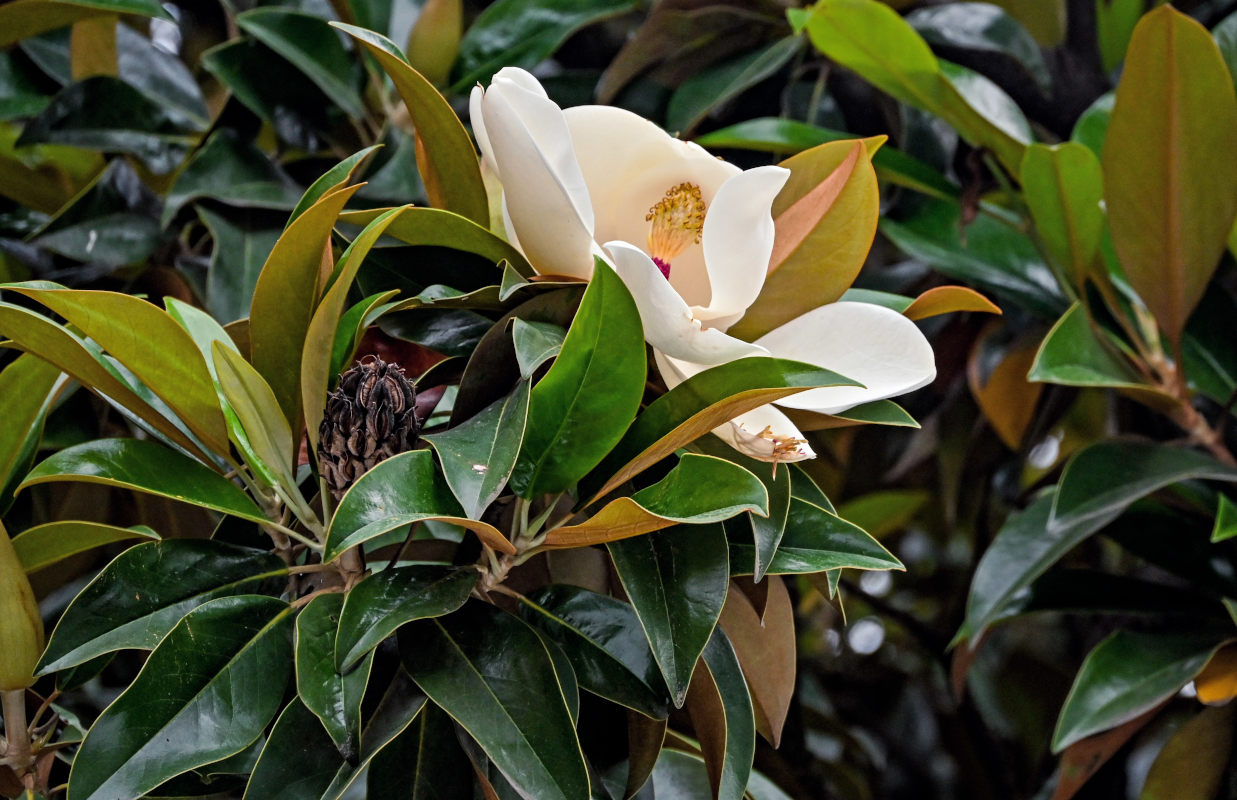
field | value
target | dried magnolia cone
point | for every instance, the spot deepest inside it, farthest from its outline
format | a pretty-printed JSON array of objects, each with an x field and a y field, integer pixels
[{"x": 370, "y": 417}]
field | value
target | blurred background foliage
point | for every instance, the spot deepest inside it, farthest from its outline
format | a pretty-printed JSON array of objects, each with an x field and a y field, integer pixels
[{"x": 159, "y": 148}]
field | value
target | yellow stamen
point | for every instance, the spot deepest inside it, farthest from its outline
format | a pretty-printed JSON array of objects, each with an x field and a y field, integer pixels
[{"x": 677, "y": 222}]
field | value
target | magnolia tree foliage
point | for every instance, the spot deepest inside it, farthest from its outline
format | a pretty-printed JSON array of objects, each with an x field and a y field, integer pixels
[{"x": 381, "y": 420}]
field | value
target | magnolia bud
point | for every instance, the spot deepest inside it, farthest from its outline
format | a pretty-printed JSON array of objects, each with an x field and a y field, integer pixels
[{"x": 21, "y": 627}]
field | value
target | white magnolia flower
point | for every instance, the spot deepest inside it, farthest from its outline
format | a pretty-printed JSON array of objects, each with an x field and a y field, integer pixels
[{"x": 691, "y": 236}]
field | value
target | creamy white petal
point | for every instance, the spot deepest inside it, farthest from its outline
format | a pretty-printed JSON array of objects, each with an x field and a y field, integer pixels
[
  {"x": 766, "y": 434},
  {"x": 476, "y": 118},
  {"x": 668, "y": 323},
  {"x": 738, "y": 240},
  {"x": 872, "y": 344},
  {"x": 629, "y": 163},
  {"x": 545, "y": 195}
]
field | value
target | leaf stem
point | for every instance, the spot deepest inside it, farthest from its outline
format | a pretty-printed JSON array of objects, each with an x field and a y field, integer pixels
[
  {"x": 16, "y": 736},
  {"x": 300, "y": 537}
]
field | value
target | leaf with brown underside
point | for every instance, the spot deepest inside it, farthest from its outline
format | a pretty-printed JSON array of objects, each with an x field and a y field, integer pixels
[
  {"x": 1170, "y": 178},
  {"x": 825, "y": 218},
  {"x": 766, "y": 651},
  {"x": 1083, "y": 758}
]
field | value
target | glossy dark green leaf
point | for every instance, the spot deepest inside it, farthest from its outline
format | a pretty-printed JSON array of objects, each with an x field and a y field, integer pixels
[
  {"x": 44, "y": 545},
  {"x": 53, "y": 343},
  {"x": 146, "y": 467},
  {"x": 1092, "y": 127},
  {"x": 698, "y": 405},
  {"x": 24, "y": 18},
  {"x": 1209, "y": 358},
  {"x": 123, "y": 325},
  {"x": 191, "y": 704},
  {"x": 242, "y": 241},
  {"x": 993, "y": 256},
  {"x": 523, "y": 33},
  {"x": 679, "y": 775},
  {"x": 585, "y": 403},
  {"x": 309, "y": 43},
  {"x": 446, "y": 159},
  {"x": 299, "y": 760},
  {"x": 816, "y": 541},
  {"x": 233, "y": 172},
  {"x": 767, "y": 529},
  {"x": 1106, "y": 477},
  {"x": 676, "y": 580},
  {"x": 535, "y": 343},
  {"x": 400, "y": 705},
  {"x": 1126, "y": 675},
  {"x": 1089, "y": 592},
  {"x": 403, "y": 489},
  {"x": 161, "y": 76},
  {"x": 25, "y": 397},
  {"x": 778, "y": 135},
  {"x": 1026, "y": 546},
  {"x": 481, "y": 666},
  {"x": 701, "y": 489},
  {"x": 111, "y": 222},
  {"x": 106, "y": 114},
  {"x": 333, "y": 697},
  {"x": 424, "y": 763},
  {"x": 709, "y": 88},
  {"x": 603, "y": 639},
  {"x": 276, "y": 91},
  {"x": 878, "y": 412},
  {"x": 1073, "y": 354},
  {"x": 478, "y": 455},
  {"x": 20, "y": 95},
  {"x": 385, "y": 600},
  {"x": 985, "y": 28},
  {"x": 724, "y": 718},
  {"x": 146, "y": 590}
]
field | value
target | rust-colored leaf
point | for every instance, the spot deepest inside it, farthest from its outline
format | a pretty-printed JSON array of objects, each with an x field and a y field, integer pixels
[
  {"x": 644, "y": 741},
  {"x": 1005, "y": 397},
  {"x": 826, "y": 219},
  {"x": 766, "y": 651},
  {"x": 1083, "y": 758}
]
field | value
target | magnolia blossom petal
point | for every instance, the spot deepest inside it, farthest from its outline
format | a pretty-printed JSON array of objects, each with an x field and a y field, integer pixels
[
  {"x": 544, "y": 191},
  {"x": 766, "y": 434},
  {"x": 668, "y": 323},
  {"x": 629, "y": 164},
  {"x": 871, "y": 344},
  {"x": 738, "y": 240}
]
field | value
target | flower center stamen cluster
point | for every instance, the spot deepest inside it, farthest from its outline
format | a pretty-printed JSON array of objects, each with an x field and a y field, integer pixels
[{"x": 677, "y": 221}]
